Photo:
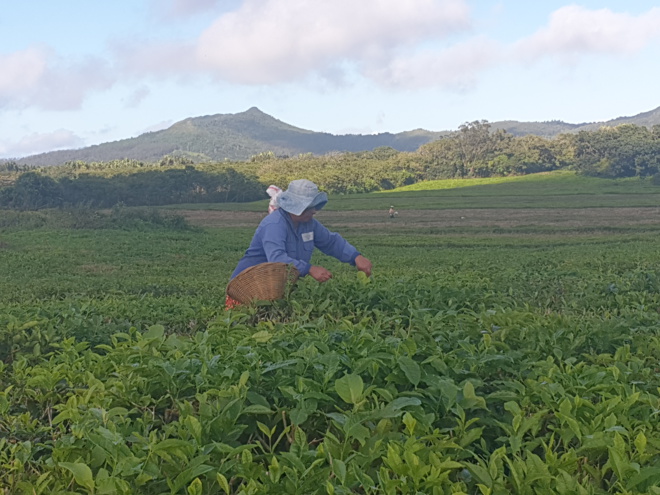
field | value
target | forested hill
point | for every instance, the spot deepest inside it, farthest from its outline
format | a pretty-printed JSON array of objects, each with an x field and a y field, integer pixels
[
  {"x": 234, "y": 137},
  {"x": 555, "y": 127},
  {"x": 239, "y": 136}
]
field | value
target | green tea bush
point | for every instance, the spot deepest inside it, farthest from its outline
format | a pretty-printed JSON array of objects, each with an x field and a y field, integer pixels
[
  {"x": 144, "y": 219},
  {"x": 475, "y": 361},
  {"x": 655, "y": 179},
  {"x": 386, "y": 385},
  {"x": 23, "y": 219},
  {"x": 120, "y": 217}
]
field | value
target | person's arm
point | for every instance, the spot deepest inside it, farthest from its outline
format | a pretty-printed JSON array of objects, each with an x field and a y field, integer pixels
[
  {"x": 274, "y": 244},
  {"x": 336, "y": 246},
  {"x": 363, "y": 265}
]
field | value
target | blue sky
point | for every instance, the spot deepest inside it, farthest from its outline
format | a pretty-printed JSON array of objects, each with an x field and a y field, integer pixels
[{"x": 74, "y": 73}]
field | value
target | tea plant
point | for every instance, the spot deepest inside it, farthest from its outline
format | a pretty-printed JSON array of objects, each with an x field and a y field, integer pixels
[{"x": 472, "y": 362}]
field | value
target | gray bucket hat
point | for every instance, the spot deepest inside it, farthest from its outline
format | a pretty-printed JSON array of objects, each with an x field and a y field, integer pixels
[{"x": 300, "y": 195}]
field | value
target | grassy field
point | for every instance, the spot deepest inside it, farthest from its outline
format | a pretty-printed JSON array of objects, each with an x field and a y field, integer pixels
[
  {"x": 508, "y": 342},
  {"x": 546, "y": 190}
]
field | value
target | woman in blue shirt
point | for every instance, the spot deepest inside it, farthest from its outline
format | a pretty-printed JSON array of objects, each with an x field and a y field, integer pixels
[{"x": 290, "y": 234}]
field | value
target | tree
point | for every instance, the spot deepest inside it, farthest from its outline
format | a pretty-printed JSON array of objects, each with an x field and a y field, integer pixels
[
  {"x": 33, "y": 191},
  {"x": 627, "y": 150},
  {"x": 441, "y": 159},
  {"x": 475, "y": 146},
  {"x": 532, "y": 154}
]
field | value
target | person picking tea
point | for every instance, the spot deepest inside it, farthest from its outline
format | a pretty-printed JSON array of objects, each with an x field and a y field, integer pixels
[{"x": 290, "y": 233}]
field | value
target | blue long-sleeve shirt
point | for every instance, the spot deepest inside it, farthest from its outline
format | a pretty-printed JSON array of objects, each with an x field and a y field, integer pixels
[{"x": 277, "y": 239}]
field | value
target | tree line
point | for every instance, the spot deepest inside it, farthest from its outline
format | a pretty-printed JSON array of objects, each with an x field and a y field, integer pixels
[
  {"x": 475, "y": 150},
  {"x": 33, "y": 190}
]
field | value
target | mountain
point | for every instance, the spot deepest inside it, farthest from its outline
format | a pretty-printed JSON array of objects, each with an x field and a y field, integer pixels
[
  {"x": 544, "y": 129},
  {"x": 239, "y": 136},
  {"x": 648, "y": 119},
  {"x": 233, "y": 137},
  {"x": 555, "y": 127}
]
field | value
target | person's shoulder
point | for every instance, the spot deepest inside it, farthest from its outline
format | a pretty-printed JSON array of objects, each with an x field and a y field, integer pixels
[
  {"x": 274, "y": 218},
  {"x": 318, "y": 226}
]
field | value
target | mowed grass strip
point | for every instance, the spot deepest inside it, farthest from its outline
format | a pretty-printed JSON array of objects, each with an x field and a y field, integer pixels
[{"x": 562, "y": 189}]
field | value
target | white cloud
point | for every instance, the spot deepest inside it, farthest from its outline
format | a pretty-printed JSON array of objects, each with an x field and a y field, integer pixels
[
  {"x": 136, "y": 97},
  {"x": 325, "y": 41},
  {"x": 456, "y": 68},
  {"x": 270, "y": 41},
  {"x": 66, "y": 85},
  {"x": 42, "y": 142},
  {"x": 168, "y": 59},
  {"x": 175, "y": 9},
  {"x": 573, "y": 31},
  {"x": 392, "y": 43},
  {"x": 21, "y": 72},
  {"x": 36, "y": 77}
]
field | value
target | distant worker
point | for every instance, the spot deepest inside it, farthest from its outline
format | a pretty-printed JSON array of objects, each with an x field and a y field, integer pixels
[{"x": 393, "y": 213}]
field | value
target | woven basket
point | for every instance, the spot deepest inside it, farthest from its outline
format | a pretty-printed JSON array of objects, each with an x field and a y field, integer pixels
[{"x": 263, "y": 282}]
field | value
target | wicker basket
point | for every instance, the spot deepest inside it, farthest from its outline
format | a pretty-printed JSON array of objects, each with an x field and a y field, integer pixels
[{"x": 263, "y": 282}]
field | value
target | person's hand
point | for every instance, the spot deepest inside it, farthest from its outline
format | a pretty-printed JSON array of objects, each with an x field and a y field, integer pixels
[
  {"x": 363, "y": 265},
  {"x": 320, "y": 274}
]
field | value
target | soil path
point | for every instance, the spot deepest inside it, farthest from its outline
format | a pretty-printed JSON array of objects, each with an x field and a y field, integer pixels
[{"x": 414, "y": 219}]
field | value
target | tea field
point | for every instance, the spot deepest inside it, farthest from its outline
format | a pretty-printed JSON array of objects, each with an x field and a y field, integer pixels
[{"x": 508, "y": 342}]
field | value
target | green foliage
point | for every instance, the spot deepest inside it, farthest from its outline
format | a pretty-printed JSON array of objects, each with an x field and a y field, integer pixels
[
  {"x": 623, "y": 151},
  {"x": 232, "y": 137},
  {"x": 33, "y": 191},
  {"x": 655, "y": 179},
  {"x": 239, "y": 137},
  {"x": 9, "y": 166},
  {"x": 475, "y": 360},
  {"x": 118, "y": 217},
  {"x": 384, "y": 168},
  {"x": 474, "y": 151}
]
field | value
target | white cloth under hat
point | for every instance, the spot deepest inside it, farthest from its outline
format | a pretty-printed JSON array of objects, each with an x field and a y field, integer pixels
[{"x": 273, "y": 191}]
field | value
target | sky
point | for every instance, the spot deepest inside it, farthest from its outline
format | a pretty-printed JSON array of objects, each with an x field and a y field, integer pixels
[{"x": 75, "y": 73}]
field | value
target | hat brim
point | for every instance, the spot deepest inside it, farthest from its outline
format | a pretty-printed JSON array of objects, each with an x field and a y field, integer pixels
[{"x": 296, "y": 205}]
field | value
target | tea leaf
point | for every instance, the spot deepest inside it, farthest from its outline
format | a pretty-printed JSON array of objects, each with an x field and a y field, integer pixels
[
  {"x": 222, "y": 481},
  {"x": 481, "y": 474},
  {"x": 647, "y": 476},
  {"x": 262, "y": 336},
  {"x": 339, "y": 468},
  {"x": 640, "y": 442},
  {"x": 363, "y": 278},
  {"x": 298, "y": 416},
  {"x": 195, "y": 428},
  {"x": 350, "y": 388},
  {"x": 411, "y": 369},
  {"x": 155, "y": 332},
  {"x": 257, "y": 409},
  {"x": 195, "y": 488},
  {"x": 81, "y": 473}
]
